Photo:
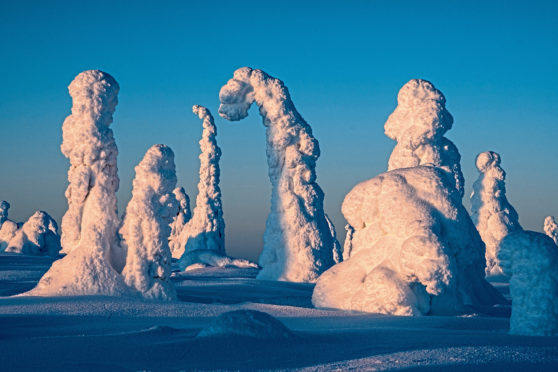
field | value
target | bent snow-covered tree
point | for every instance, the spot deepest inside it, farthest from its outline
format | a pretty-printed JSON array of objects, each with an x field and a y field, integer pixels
[
  {"x": 182, "y": 217},
  {"x": 551, "y": 228},
  {"x": 418, "y": 124},
  {"x": 89, "y": 227},
  {"x": 38, "y": 236},
  {"x": 146, "y": 228},
  {"x": 493, "y": 215},
  {"x": 298, "y": 243}
]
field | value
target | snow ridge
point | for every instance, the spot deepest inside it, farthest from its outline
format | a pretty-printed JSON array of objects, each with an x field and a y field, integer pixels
[{"x": 298, "y": 242}]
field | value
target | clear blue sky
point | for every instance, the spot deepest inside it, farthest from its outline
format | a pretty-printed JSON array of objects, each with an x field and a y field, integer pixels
[{"x": 343, "y": 62}]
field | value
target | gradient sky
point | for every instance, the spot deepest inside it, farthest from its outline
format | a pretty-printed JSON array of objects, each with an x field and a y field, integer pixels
[{"x": 343, "y": 62}]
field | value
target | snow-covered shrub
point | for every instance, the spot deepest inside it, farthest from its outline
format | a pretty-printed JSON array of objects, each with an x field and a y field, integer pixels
[
  {"x": 146, "y": 228},
  {"x": 413, "y": 249},
  {"x": 89, "y": 227},
  {"x": 531, "y": 259},
  {"x": 551, "y": 228},
  {"x": 418, "y": 124},
  {"x": 37, "y": 236},
  {"x": 179, "y": 221},
  {"x": 298, "y": 243},
  {"x": 491, "y": 212}
]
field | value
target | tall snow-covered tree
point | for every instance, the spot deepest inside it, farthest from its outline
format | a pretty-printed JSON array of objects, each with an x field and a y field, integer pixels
[
  {"x": 298, "y": 242},
  {"x": 146, "y": 228}
]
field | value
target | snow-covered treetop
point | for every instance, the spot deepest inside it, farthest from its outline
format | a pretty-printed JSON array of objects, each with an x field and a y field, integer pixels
[
  {"x": 420, "y": 115},
  {"x": 551, "y": 228},
  {"x": 4, "y": 206},
  {"x": 156, "y": 171},
  {"x": 489, "y": 160}
]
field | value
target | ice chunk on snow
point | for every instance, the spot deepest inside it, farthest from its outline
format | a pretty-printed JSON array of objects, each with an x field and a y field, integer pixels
[
  {"x": 206, "y": 228},
  {"x": 530, "y": 259},
  {"x": 491, "y": 212},
  {"x": 179, "y": 221},
  {"x": 298, "y": 241},
  {"x": 413, "y": 249},
  {"x": 146, "y": 228},
  {"x": 551, "y": 228},
  {"x": 418, "y": 124},
  {"x": 247, "y": 323},
  {"x": 209, "y": 257},
  {"x": 37, "y": 236},
  {"x": 89, "y": 227}
]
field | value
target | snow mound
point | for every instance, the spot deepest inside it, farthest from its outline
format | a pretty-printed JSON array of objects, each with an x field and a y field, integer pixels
[
  {"x": 298, "y": 241},
  {"x": 492, "y": 214},
  {"x": 530, "y": 259},
  {"x": 179, "y": 221},
  {"x": 89, "y": 227},
  {"x": 418, "y": 124},
  {"x": 208, "y": 257},
  {"x": 37, "y": 236},
  {"x": 551, "y": 228},
  {"x": 413, "y": 249},
  {"x": 146, "y": 228},
  {"x": 247, "y": 323},
  {"x": 206, "y": 229}
]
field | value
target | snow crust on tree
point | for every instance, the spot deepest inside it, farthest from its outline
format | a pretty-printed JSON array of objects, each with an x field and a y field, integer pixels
[
  {"x": 208, "y": 257},
  {"x": 206, "y": 228},
  {"x": 179, "y": 221},
  {"x": 337, "y": 250},
  {"x": 530, "y": 259},
  {"x": 418, "y": 124},
  {"x": 413, "y": 249},
  {"x": 89, "y": 227},
  {"x": 551, "y": 228},
  {"x": 37, "y": 236},
  {"x": 247, "y": 323},
  {"x": 146, "y": 228},
  {"x": 492, "y": 214},
  {"x": 298, "y": 242}
]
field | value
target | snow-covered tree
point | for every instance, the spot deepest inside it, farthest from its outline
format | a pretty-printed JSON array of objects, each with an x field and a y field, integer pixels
[
  {"x": 551, "y": 228},
  {"x": 491, "y": 212},
  {"x": 37, "y": 236},
  {"x": 179, "y": 221},
  {"x": 4, "y": 206},
  {"x": 89, "y": 227},
  {"x": 298, "y": 243},
  {"x": 8, "y": 228},
  {"x": 418, "y": 124},
  {"x": 530, "y": 259},
  {"x": 146, "y": 228},
  {"x": 413, "y": 249}
]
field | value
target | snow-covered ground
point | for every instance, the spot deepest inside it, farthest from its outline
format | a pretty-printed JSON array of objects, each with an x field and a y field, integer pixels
[{"x": 107, "y": 333}]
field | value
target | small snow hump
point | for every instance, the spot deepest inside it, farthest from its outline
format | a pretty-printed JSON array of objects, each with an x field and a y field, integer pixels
[{"x": 247, "y": 323}]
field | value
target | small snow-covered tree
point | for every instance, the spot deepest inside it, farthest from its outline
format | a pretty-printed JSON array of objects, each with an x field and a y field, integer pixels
[
  {"x": 4, "y": 206},
  {"x": 179, "y": 221},
  {"x": 491, "y": 212},
  {"x": 298, "y": 242},
  {"x": 418, "y": 124},
  {"x": 37, "y": 236},
  {"x": 551, "y": 228},
  {"x": 89, "y": 227},
  {"x": 8, "y": 228},
  {"x": 530, "y": 259},
  {"x": 146, "y": 228}
]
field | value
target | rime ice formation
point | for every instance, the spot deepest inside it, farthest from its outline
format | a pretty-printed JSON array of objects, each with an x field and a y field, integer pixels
[
  {"x": 418, "y": 124},
  {"x": 551, "y": 228},
  {"x": 491, "y": 212},
  {"x": 179, "y": 221},
  {"x": 206, "y": 228},
  {"x": 89, "y": 227},
  {"x": 530, "y": 259},
  {"x": 208, "y": 257},
  {"x": 413, "y": 249},
  {"x": 146, "y": 228},
  {"x": 37, "y": 236},
  {"x": 298, "y": 243},
  {"x": 8, "y": 228}
]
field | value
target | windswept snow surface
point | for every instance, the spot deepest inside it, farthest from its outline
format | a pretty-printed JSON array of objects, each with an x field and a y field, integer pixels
[
  {"x": 551, "y": 228},
  {"x": 89, "y": 227},
  {"x": 37, "y": 236},
  {"x": 492, "y": 214},
  {"x": 413, "y": 251},
  {"x": 92, "y": 333},
  {"x": 146, "y": 228},
  {"x": 179, "y": 221},
  {"x": 530, "y": 259},
  {"x": 418, "y": 124},
  {"x": 298, "y": 242}
]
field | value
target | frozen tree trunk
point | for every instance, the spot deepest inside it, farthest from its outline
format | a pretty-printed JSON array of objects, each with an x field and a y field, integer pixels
[
  {"x": 146, "y": 227},
  {"x": 491, "y": 212},
  {"x": 89, "y": 227},
  {"x": 418, "y": 124},
  {"x": 37, "y": 236},
  {"x": 551, "y": 228},
  {"x": 179, "y": 221},
  {"x": 298, "y": 242}
]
